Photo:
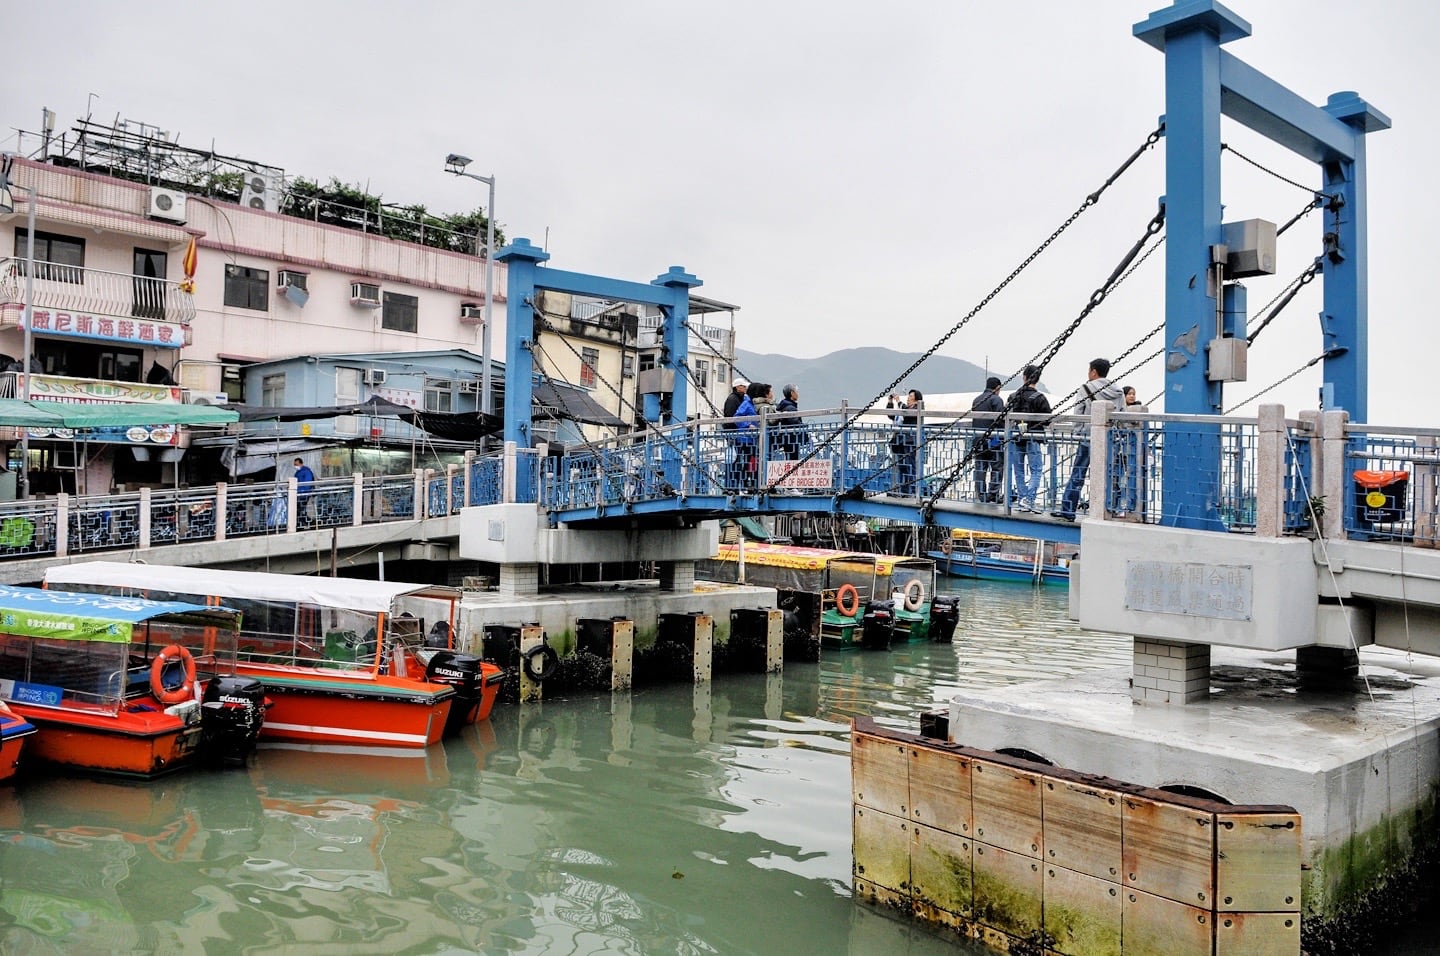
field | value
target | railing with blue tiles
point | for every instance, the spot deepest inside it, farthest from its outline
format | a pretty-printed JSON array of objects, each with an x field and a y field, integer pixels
[{"x": 1391, "y": 480}]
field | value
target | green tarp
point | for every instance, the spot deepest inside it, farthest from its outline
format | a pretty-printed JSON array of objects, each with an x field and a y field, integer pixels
[{"x": 42, "y": 414}]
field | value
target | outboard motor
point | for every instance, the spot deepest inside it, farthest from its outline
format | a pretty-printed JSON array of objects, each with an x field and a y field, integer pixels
[
  {"x": 879, "y": 625},
  {"x": 944, "y": 615},
  {"x": 464, "y": 673},
  {"x": 230, "y": 717}
]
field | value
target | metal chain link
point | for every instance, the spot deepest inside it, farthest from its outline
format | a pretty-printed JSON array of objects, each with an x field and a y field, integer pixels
[
  {"x": 1329, "y": 197},
  {"x": 1288, "y": 294}
]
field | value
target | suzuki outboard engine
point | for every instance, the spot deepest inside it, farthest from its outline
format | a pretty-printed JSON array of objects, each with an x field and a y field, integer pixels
[
  {"x": 878, "y": 627},
  {"x": 462, "y": 672},
  {"x": 230, "y": 717}
]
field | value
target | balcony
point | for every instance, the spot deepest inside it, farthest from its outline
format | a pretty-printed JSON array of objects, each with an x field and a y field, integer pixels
[{"x": 75, "y": 291}]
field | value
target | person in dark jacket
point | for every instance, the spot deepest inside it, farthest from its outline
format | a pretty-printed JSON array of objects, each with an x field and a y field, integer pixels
[
  {"x": 986, "y": 449},
  {"x": 747, "y": 438},
  {"x": 795, "y": 436},
  {"x": 734, "y": 469},
  {"x": 1027, "y": 458}
]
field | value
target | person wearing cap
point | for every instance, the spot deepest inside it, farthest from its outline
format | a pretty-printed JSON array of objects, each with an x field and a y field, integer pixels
[
  {"x": 737, "y": 469},
  {"x": 986, "y": 447},
  {"x": 733, "y": 400}
]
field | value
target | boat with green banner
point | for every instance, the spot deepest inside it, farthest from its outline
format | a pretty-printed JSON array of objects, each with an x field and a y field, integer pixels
[{"x": 125, "y": 685}]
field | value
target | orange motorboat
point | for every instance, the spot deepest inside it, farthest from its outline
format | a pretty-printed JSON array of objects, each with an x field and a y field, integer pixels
[
  {"x": 14, "y": 729},
  {"x": 124, "y": 685},
  {"x": 343, "y": 661}
]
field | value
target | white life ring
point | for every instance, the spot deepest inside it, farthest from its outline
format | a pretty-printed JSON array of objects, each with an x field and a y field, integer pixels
[{"x": 914, "y": 594}]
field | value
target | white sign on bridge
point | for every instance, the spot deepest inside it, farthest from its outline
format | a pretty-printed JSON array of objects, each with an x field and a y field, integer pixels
[{"x": 813, "y": 474}]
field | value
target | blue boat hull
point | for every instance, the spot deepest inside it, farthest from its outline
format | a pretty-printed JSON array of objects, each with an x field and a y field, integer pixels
[{"x": 982, "y": 568}]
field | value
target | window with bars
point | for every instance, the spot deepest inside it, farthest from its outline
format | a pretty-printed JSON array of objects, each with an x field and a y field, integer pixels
[{"x": 702, "y": 373}]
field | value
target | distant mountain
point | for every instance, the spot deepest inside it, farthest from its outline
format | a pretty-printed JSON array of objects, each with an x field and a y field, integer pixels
[{"x": 858, "y": 375}]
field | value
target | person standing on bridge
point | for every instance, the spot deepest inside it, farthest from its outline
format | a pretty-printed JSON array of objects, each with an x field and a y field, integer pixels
[
  {"x": 793, "y": 426},
  {"x": 905, "y": 442},
  {"x": 1027, "y": 458},
  {"x": 986, "y": 446},
  {"x": 747, "y": 436},
  {"x": 735, "y": 473},
  {"x": 304, "y": 486},
  {"x": 1096, "y": 388}
]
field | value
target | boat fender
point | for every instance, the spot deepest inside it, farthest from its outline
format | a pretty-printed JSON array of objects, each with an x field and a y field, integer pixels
[
  {"x": 914, "y": 594},
  {"x": 847, "y": 593},
  {"x": 548, "y": 662},
  {"x": 157, "y": 670}
]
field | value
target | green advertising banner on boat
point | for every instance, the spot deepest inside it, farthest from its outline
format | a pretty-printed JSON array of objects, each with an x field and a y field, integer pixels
[{"x": 31, "y": 612}]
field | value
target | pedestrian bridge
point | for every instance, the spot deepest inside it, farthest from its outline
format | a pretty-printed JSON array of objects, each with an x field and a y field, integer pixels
[{"x": 1267, "y": 472}]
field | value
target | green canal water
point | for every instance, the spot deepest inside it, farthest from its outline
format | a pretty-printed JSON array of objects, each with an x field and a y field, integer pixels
[{"x": 675, "y": 820}]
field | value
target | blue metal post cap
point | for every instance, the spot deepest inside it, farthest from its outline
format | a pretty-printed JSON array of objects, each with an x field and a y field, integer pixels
[
  {"x": 1349, "y": 108},
  {"x": 1185, "y": 15},
  {"x": 676, "y": 276},
  {"x": 522, "y": 248}
]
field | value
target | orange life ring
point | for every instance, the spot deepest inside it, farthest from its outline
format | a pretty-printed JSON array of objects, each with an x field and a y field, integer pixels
[
  {"x": 914, "y": 594},
  {"x": 157, "y": 669},
  {"x": 847, "y": 589},
  {"x": 947, "y": 546}
]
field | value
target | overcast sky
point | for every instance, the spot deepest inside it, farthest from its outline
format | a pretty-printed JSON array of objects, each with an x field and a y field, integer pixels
[{"x": 848, "y": 173}]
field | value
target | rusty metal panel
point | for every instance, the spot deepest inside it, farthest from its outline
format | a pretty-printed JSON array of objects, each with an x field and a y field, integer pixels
[
  {"x": 882, "y": 849},
  {"x": 879, "y": 774},
  {"x": 1006, "y": 808},
  {"x": 1154, "y": 926},
  {"x": 1082, "y": 828},
  {"x": 940, "y": 871},
  {"x": 1009, "y": 890},
  {"x": 1257, "y": 862},
  {"x": 1082, "y": 914},
  {"x": 1257, "y": 934},
  {"x": 1169, "y": 850},
  {"x": 940, "y": 789}
]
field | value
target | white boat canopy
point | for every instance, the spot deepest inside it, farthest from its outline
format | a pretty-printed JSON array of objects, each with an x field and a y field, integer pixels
[{"x": 350, "y": 593}]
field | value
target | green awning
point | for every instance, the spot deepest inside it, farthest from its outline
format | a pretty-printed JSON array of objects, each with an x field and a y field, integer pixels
[{"x": 42, "y": 414}]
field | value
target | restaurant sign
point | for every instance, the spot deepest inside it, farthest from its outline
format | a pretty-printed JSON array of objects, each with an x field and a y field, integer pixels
[{"x": 107, "y": 328}]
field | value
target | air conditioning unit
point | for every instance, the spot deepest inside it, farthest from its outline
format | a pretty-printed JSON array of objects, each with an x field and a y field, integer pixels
[
  {"x": 167, "y": 204},
  {"x": 259, "y": 192},
  {"x": 291, "y": 279},
  {"x": 365, "y": 294},
  {"x": 192, "y": 397},
  {"x": 472, "y": 314},
  {"x": 375, "y": 376}
]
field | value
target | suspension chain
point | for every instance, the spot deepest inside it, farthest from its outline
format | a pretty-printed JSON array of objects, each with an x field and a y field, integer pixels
[
  {"x": 1090, "y": 200},
  {"x": 1117, "y": 275},
  {"x": 635, "y": 413},
  {"x": 1275, "y": 385},
  {"x": 1286, "y": 296},
  {"x": 1318, "y": 193}
]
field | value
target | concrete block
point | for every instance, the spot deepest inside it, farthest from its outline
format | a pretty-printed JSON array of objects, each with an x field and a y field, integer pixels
[{"x": 1006, "y": 807}]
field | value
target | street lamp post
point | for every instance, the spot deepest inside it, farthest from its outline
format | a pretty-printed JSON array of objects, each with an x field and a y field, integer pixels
[
  {"x": 7, "y": 205},
  {"x": 455, "y": 163}
]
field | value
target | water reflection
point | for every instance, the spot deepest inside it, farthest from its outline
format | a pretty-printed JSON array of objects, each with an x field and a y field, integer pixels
[{"x": 710, "y": 819}]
